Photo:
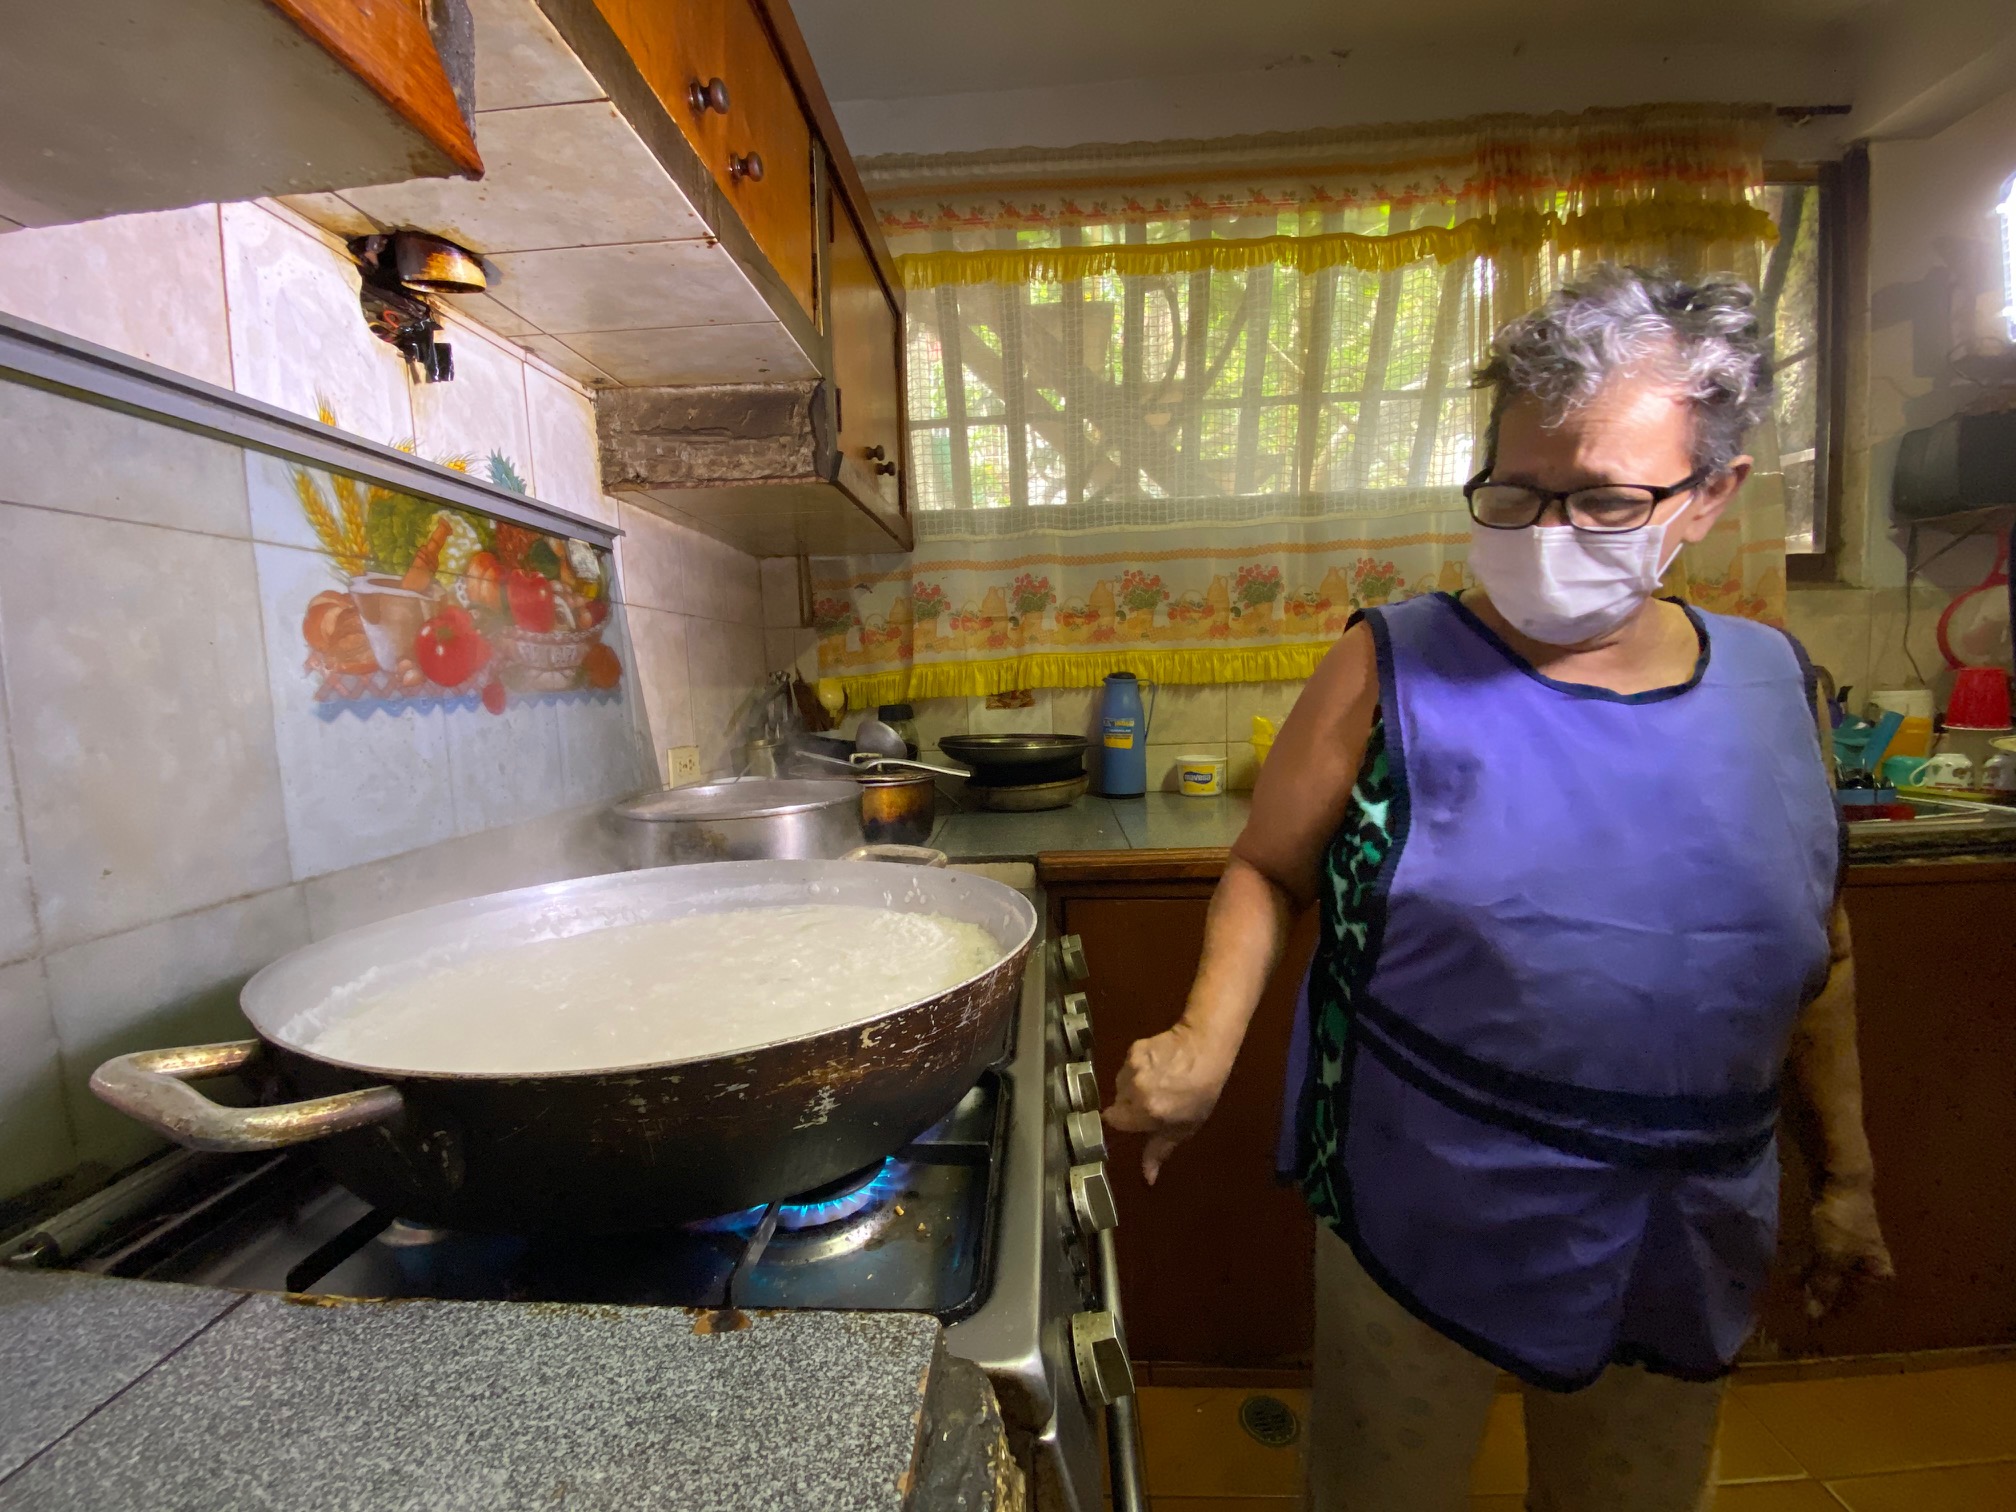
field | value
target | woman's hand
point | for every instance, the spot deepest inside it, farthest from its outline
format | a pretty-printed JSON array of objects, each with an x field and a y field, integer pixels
[
  {"x": 1168, "y": 1087},
  {"x": 1848, "y": 1247}
]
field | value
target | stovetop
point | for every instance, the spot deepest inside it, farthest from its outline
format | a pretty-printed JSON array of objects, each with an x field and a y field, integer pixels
[{"x": 913, "y": 1234}]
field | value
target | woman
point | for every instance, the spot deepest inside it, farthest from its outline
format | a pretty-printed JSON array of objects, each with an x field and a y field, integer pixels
[{"x": 1577, "y": 863}]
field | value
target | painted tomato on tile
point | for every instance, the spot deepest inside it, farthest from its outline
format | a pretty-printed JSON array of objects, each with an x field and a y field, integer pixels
[{"x": 448, "y": 608}]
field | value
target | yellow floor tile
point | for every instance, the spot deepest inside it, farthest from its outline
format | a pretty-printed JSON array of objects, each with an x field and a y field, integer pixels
[
  {"x": 1867, "y": 1425},
  {"x": 1500, "y": 1469},
  {"x": 1513, "y": 1503},
  {"x": 1776, "y": 1496},
  {"x": 1225, "y": 1503},
  {"x": 1959, "y": 1488},
  {"x": 1983, "y": 1392},
  {"x": 1749, "y": 1452},
  {"x": 1196, "y": 1448}
]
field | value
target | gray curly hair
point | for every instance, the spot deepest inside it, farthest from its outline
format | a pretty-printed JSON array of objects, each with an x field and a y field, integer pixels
[{"x": 1705, "y": 337}]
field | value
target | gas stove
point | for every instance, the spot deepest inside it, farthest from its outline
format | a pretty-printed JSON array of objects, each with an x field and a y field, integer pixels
[{"x": 997, "y": 1220}]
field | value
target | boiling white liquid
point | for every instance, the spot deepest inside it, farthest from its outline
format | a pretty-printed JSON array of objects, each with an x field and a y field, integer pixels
[{"x": 677, "y": 989}]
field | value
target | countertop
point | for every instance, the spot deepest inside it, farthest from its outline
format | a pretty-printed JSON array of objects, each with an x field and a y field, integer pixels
[
  {"x": 1170, "y": 822},
  {"x": 126, "y": 1394}
]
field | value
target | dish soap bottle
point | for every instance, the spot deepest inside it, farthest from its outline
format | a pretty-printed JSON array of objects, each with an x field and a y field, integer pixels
[{"x": 1123, "y": 758}]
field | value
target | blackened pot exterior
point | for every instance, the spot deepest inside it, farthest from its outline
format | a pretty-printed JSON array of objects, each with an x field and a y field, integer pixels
[{"x": 608, "y": 1152}]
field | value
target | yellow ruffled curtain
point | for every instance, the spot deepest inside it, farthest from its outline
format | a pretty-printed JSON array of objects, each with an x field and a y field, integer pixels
[{"x": 1180, "y": 408}]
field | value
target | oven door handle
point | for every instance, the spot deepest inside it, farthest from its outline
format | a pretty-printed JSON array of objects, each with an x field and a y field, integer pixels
[{"x": 1123, "y": 1423}]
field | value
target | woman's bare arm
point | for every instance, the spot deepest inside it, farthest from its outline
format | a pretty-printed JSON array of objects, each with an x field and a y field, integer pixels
[
  {"x": 1824, "y": 1115},
  {"x": 1171, "y": 1081}
]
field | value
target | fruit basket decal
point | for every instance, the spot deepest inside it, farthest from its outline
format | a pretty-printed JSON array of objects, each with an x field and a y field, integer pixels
[{"x": 440, "y": 608}]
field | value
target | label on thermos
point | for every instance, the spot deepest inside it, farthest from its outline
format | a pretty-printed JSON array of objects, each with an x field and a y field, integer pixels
[{"x": 1120, "y": 734}]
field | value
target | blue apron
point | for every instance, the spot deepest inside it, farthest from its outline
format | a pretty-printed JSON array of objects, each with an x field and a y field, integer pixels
[{"x": 1593, "y": 932}]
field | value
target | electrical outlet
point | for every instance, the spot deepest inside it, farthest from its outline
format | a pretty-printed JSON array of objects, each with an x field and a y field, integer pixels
[{"x": 682, "y": 765}]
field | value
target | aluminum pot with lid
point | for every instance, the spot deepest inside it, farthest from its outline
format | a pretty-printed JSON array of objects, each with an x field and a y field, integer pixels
[{"x": 755, "y": 819}]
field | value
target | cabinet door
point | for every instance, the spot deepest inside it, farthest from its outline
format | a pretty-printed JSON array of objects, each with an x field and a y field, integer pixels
[
  {"x": 1215, "y": 1258},
  {"x": 867, "y": 333},
  {"x": 1935, "y": 973},
  {"x": 680, "y": 46}
]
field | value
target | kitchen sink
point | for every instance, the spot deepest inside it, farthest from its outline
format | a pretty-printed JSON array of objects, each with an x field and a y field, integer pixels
[{"x": 1938, "y": 827}]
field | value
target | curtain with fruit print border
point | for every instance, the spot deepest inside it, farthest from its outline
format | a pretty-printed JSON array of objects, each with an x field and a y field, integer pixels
[{"x": 1180, "y": 408}]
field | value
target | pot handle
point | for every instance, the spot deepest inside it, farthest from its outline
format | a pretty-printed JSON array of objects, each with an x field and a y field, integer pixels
[
  {"x": 153, "y": 1087},
  {"x": 914, "y": 855}
]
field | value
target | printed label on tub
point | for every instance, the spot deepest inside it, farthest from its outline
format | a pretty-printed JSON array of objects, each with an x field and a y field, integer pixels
[
  {"x": 1199, "y": 780},
  {"x": 1119, "y": 734}
]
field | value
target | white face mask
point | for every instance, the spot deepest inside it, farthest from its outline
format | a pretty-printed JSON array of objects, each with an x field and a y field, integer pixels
[{"x": 1565, "y": 586}]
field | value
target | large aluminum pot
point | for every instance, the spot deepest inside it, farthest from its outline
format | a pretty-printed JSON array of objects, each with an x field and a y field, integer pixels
[
  {"x": 755, "y": 819},
  {"x": 626, "y": 1147}
]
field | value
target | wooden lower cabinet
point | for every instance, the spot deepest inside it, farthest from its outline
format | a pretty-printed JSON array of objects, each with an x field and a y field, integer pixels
[{"x": 1215, "y": 1258}]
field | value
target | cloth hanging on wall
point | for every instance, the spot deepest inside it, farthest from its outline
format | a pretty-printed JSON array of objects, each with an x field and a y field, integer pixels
[{"x": 1179, "y": 408}]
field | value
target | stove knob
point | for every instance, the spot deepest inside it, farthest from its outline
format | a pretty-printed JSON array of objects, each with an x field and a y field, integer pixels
[
  {"x": 1077, "y": 1025},
  {"x": 1081, "y": 1086},
  {"x": 1087, "y": 1137},
  {"x": 1071, "y": 956},
  {"x": 1092, "y": 1199},
  {"x": 1104, "y": 1374}
]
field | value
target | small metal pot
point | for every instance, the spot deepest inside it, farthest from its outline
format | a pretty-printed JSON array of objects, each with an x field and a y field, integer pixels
[
  {"x": 751, "y": 820},
  {"x": 898, "y": 807}
]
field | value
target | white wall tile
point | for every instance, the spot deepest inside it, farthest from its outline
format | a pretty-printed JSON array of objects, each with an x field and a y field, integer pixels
[
  {"x": 174, "y": 982},
  {"x": 780, "y": 592},
  {"x": 35, "y": 1138},
  {"x": 651, "y": 559},
  {"x": 57, "y": 452},
  {"x": 664, "y": 679},
  {"x": 505, "y": 768},
  {"x": 482, "y": 410},
  {"x": 667, "y": 283},
  {"x": 354, "y": 788},
  {"x": 149, "y": 285},
  {"x": 551, "y": 172},
  {"x": 939, "y": 717},
  {"x": 604, "y": 752},
  {"x": 564, "y": 358},
  {"x": 566, "y": 456},
  {"x": 1243, "y": 700},
  {"x": 20, "y": 936},
  {"x": 1074, "y": 711},
  {"x": 491, "y": 315},
  {"x": 798, "y": 651},
  {"x": 1034, "y": 720},
  {"x": 520, "y": 59},
  {"x": 721, "y": 582},
  {"x": 1180, "y": 713},
  {"x": 143, "y": 742},
  {"x": 727, "y": 668},
  {"x": 297, "y": 333},
  {"x": 744, "y": 352}
]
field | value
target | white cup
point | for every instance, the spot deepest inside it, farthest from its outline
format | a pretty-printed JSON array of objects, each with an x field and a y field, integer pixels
[
  {"x": 2000, "y": 776},
  {"x": 1948, "y": 769}
]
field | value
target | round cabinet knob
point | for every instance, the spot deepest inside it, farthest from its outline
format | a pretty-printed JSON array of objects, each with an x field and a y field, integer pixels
[
  {"x": 748, "y": 165},
  {"x": 886, "y": 469},
  {"x": 1092, "y": 1199},
  {"x": 1104, "y": 1374},
  {"x": 874, "y": 453},
  {"x": 1086, "y": 1136},
  {"x": 1081, "y": 1086},
  {"x": 1071, "y": 957},
  {"x": 713, "y": 95}
]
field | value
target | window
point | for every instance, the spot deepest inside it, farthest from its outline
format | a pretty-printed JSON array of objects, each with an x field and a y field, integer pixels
[{"x": 1143, "y": 398}]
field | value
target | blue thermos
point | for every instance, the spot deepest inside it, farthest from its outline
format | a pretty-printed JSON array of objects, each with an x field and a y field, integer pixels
[{"x": 1123, "y": 732}]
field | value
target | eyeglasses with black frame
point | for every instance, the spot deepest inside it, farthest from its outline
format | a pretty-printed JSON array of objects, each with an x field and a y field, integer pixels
[{"x": 1607, "y": 509}]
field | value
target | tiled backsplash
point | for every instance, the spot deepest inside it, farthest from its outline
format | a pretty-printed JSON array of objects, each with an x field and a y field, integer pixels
[{"x": 176, "y": 807}]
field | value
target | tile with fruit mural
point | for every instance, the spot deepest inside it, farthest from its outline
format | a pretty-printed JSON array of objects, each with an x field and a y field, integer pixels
[{"x": 437, "y": 607}]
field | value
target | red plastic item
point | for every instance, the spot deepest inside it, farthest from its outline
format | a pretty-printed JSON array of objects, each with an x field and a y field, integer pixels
[
  {"x": 1980, "y": 699},
  {"x": 1856, "y": 813}
]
